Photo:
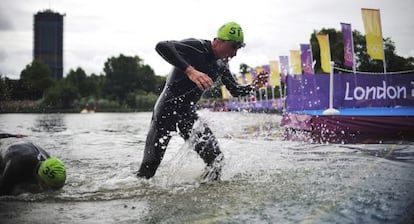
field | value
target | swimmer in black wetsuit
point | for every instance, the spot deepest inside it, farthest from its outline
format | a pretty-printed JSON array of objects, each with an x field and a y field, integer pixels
[
  {"x": 197, "y": 64},
  {"x": 25, "y": 167}
]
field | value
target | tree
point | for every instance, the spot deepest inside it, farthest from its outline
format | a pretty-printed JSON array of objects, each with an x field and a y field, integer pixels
[
  {"x": 60, "y": 96},
  {"x": 125, "y": 74},
  {"x": 4, "y": 89},
  {"x": 97, "y": 81},
  {"x": 85, "y": 86},
  {"x": 244, "y": 68},
  {"x": 35, "y": 79}
]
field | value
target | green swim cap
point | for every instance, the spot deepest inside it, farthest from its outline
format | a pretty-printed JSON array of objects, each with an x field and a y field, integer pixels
[
  {"x": 52, "y": 172},
  {"x": 231, "y": 31}
]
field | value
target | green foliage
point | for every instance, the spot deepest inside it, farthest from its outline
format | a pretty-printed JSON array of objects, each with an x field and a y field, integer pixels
[
  {"x": 26, "y": 106},
  {"x": 35, "y": 79},
  {"x": 125, "y": 74},
  {"x": 97, "y": 83},
  {"x": 244, "y": 68},
  {"x": 5, "y": 93},
  {"x": 60, "y": 96},
  {"x": 141, "y": 100},
  {"x": 127, "y": 84},
  {"x": 85, "y": 102},
  {"x": 145, "y": 102},
  {"x": 107, "y": 105},
  {"x": 84, "y": 85}
]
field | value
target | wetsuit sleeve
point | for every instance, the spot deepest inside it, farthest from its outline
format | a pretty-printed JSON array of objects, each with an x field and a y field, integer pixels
[
  {"x": 172, "y": 52},
  {"x": 234, "y": 88}
]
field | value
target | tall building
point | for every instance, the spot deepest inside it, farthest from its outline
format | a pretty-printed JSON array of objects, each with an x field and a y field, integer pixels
[{"x": 48, "y": 41}]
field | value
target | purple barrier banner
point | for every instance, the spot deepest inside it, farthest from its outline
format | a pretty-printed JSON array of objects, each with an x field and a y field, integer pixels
[{"x": 311, "y": 92}]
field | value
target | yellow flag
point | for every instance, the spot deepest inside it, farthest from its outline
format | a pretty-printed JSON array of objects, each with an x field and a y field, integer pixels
[
  {"x": 295, "y": 62},
  {"x": 323, "y": 40},
  {"x": 259, "y": 69},
  {"x": 240, "y": 80},
  {"x": 225, "y": 93},
  {"x": 274, "y": 79},
  {"x": 248, "y": 77},
  {"x": 373, "y": 33}
]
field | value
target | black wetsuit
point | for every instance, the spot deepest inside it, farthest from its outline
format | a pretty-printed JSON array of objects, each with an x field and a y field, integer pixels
[
  {"x": 176, "y": 106},
  {"x": 19, "y": 161}
]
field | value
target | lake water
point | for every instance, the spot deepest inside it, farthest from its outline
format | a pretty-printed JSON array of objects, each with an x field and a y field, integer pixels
[{"x": 265, "y": 179}]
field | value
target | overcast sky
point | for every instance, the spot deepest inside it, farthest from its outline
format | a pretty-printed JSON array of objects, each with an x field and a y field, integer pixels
[{"x": 95, "y": 30}]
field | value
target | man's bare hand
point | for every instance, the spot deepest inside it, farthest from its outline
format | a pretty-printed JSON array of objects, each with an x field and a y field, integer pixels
[
  {"x": 202, "y": 80},
  {"x": 260, "y": 80}
]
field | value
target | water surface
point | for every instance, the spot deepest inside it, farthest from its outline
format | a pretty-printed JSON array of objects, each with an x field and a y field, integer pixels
[{"x": 265, "y": 179}]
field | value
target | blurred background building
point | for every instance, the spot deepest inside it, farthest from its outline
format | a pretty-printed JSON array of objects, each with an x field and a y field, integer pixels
[{"x": 48, "y": 40}]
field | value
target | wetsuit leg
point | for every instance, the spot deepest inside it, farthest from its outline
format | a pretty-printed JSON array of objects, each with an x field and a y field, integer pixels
[
  {"x": 155, "y": 146},
  {"x": 206, "y": 145}
]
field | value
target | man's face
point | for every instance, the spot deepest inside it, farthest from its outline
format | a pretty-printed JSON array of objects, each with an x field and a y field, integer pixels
[
  {"x": 225, "y": 49},
  {"x": 43, "y": 186}
]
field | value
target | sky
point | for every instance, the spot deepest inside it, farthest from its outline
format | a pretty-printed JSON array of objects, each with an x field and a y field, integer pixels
[{"x": 95, "y": 30}]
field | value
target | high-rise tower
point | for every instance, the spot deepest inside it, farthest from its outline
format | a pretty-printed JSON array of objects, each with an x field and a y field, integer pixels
[{"x": 48, "y": 41}]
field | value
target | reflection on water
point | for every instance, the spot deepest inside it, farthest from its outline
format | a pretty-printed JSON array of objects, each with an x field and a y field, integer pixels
[
  {"x": 49, "y": 123},
  {"x": 265, "y": 179}
]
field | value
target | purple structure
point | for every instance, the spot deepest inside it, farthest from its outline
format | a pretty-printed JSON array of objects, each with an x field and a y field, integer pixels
[{"x": 373, "y": 108}]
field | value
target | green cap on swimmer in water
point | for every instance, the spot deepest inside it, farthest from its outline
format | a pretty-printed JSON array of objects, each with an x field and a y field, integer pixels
[
  {"x": 231, "y": 31},
  {"x": 52, "y": 172}
]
